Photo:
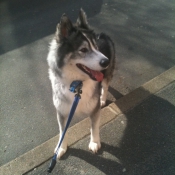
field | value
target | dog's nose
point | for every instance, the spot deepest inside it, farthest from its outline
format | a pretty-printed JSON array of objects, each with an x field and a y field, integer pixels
[{"x": 104, "y": 63}]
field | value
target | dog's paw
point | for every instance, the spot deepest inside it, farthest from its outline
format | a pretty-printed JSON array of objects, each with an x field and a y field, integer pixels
[
  {"x": 61, "y": 151},
  {"x": 102, "y": 103},
  {"x": 94, "y": 147}
]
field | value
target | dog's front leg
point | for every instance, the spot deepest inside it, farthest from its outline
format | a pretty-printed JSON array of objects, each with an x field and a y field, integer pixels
[
  {"x": 95, "y": 144},
  {"x": 61, "y": 122}
]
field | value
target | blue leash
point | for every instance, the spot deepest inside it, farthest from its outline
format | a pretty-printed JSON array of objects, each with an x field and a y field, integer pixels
[{"x": 75, "y": 87}]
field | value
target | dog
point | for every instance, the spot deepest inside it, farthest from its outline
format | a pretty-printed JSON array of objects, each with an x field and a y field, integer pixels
[{"x": 78, "y": 53}]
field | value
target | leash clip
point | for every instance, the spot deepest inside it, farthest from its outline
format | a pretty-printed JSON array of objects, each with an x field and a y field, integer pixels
[{"x": 76, "y": 87}]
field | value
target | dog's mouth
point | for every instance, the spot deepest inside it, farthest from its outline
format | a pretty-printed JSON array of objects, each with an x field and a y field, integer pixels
[{"x": 95, "y": 75}]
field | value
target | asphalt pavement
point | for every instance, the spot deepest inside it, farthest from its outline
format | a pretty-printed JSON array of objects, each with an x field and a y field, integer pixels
[{"x": 143, "y": 33}]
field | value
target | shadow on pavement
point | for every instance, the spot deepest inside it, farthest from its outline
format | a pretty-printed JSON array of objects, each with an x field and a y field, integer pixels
[
  {"x": 23, "y": 22},
  {"x": 107, "y": 166},
  {"x": 147, "y": 145},
  {"x": 144, "y": 145}
]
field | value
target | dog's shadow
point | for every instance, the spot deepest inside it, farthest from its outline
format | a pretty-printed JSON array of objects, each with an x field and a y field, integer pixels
[{"x": 97, "y": 160}]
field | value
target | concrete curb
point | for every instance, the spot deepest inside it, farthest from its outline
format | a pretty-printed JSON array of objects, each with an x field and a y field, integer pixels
[
  {"x": 43, "y": 152},
  {"x": 143, "y": 92}
]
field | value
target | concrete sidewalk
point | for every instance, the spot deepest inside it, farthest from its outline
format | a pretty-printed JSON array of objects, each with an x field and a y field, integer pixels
[{"x": 136, "y": 132}]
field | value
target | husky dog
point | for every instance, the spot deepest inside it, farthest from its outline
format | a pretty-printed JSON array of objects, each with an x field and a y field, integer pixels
[{"x": 77, "y": 53}]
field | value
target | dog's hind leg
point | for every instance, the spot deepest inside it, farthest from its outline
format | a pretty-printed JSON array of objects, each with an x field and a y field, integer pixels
[
  {"x": 104, "y": 91},
  {"x": 61, "y": 122},
  {"x": 95, "y": 144}
]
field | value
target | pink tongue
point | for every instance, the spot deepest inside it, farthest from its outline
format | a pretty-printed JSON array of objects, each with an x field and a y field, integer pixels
[{"x": 97, "y": 75}]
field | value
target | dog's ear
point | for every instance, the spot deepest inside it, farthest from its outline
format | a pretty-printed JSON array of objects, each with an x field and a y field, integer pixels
[
  {"x": 64, "y": 28},
  {"x": 82, "y": 20}
]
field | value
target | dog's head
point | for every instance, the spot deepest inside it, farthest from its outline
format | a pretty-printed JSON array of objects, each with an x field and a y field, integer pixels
[{"x": 77, "y": 48}]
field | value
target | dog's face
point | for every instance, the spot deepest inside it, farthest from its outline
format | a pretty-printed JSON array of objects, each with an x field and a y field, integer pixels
[{"x": 77, "y": 48}]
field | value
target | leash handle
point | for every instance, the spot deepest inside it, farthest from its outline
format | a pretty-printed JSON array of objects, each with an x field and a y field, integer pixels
[
  {"x": 52, "y": 163},
  {"x": 75, "y": 87}
]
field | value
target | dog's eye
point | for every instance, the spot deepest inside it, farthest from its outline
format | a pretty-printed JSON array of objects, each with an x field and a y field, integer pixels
[{"x": 84, "y": 50}]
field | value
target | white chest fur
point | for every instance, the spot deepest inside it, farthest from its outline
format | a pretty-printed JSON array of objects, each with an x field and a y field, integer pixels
[{"x": 63, "y": 98}]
